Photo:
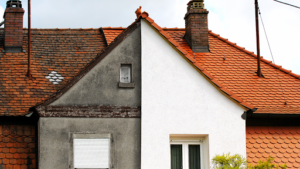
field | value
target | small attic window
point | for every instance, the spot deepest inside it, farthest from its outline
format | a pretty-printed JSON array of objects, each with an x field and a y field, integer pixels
[
  {"x": 126, "y": 78},
  {"x": 125, "y": 73}
]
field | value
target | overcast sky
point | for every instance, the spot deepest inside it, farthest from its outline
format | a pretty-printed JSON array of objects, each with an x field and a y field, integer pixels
[{"x": 232, "y": 19}]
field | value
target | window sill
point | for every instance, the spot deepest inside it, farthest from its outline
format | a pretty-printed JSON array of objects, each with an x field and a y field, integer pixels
[{"x": 126, "y": 85}]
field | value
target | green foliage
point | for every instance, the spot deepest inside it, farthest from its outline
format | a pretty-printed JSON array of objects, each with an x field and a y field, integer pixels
[
  {"x": 227, "y": 161},
  {"x": 267, "y": 164}
]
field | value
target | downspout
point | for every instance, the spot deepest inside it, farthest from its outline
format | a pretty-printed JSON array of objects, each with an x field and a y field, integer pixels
[{"x": 29, "y": 39}]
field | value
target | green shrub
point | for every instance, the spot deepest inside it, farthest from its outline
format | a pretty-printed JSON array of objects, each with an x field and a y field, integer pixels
[
  {"x": 267, "y": 164},
  {"x": 227, "y": 161}
]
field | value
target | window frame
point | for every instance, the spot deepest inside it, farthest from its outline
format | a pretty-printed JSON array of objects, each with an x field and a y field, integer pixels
[
  {"x": 185, "y": 150},
  {"x": 90, "y": 136},
  {"x": 131, "y": 83}
]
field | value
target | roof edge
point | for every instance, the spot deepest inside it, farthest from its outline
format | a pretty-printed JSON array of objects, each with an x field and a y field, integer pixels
[
  {"x": 192, "y": 61},
  {"x": 255, "y": 56}
]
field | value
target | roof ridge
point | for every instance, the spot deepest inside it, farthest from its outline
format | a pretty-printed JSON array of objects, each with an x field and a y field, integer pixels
[
  {"x": 193, "y": 61},
  {"x": 173, "y": 29},
  {"x": 59, "y": 29},
  {"x": 254, "y": 55},
  {"x": 114, "y": 28}
]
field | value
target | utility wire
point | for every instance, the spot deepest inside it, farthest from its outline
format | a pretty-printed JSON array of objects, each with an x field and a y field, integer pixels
[
  {"x": 271, "y": 53},
  {"x": 287, "y": 4}
]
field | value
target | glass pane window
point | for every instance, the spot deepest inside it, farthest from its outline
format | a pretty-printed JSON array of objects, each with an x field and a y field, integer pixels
[
  {"x": 125, "y": 74},
  {"x": 91, "y": 153},
  {"x": 185, "y": 154},
  {"x": 176, "y": 156},
  {"x": 194, "y": 156}
]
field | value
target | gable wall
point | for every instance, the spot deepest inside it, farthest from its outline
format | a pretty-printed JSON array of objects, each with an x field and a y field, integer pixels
[
  {"x": 177, "y": 99},
  {"x": 100, "y": 85}
]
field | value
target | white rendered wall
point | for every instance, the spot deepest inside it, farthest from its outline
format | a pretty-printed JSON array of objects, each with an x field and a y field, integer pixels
[{"x": 176, "y": 99}]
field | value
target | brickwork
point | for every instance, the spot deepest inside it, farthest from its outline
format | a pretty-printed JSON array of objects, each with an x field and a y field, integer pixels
[
  {"x": 17, "y": 147},
  {"x": 90, "y": 111},
  {"x": 13, "y": 29},
  {"x": 197, "y": 29}
]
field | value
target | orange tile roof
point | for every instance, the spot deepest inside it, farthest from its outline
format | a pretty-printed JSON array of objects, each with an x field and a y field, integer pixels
[
  {"x": 281, "y": 143},
  {"x": 66, "y": 51},
  {"x": 229, "y": 67},
  {"x": 17, "y": 146},
  {"x": 232, "y": 69},
  {"x": 111, "y": 33}
]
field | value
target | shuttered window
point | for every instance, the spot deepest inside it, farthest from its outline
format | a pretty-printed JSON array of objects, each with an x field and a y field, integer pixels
[{"x": 91, "y": 153}]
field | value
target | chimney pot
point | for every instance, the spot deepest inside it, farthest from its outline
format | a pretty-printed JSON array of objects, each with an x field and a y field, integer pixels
[{"x": 196, "y": 26}]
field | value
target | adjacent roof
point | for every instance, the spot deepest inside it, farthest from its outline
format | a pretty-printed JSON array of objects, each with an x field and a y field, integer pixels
[
  {"x": 18, "y": 146},
  {"x": 281, "y": 143},
  {"x": 66, "y": 51},
  {"x": 69, "y": 51}
]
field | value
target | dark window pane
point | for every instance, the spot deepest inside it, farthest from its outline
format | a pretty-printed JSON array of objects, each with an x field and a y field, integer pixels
[
  {"x": 194, "y": 156},
  {"x": 176, "y": 156}
]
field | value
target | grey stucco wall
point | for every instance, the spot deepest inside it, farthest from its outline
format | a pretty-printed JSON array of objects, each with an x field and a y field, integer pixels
[
  {"x": 100, "y": 85},
  {"x": 54, "y": 140}
]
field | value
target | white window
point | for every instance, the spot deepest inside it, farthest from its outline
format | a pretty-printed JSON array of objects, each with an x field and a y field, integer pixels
[
  {"x": 186, "y": 154},
  {"x": 91, "y": 152},
  {"x": 125, "y": 73}
]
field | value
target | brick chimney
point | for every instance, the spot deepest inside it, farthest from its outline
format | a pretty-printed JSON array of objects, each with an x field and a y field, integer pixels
[
  {"x": 196, "y": 26},
  {"x": 13, "y": 26}
]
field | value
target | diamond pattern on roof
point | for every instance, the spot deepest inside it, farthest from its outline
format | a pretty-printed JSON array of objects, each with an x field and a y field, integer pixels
[{"x": 54, "y": 77}]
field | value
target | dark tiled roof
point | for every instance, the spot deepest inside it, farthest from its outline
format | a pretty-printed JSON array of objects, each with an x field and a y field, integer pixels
[{"x": 66, "y": 51}]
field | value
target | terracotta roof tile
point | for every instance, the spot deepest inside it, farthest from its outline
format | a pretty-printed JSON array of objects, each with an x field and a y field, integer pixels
[
  {"x": 111, "y": 33},
  {"x": 18, "y": 146},
  {"x": 283, "y": 149},
  {"x": 235, "y": 67},
  {"x": 229, "y": 67},
  {"x": 65, "y": 51}
]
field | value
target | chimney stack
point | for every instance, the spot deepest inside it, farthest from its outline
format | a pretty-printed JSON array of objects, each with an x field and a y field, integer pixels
[
  {"x": 196, "y": 27},
  {"x": 13, "y": 26}
]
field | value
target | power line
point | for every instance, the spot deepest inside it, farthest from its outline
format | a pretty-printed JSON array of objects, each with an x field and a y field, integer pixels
[{"x": 287, "y": 4}]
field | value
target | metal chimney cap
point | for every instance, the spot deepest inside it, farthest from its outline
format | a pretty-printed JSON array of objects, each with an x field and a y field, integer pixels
[{"x": 14, "y": 4}]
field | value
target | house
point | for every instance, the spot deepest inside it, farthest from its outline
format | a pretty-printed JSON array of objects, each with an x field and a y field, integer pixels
[{"x": 140, "y": 97}]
